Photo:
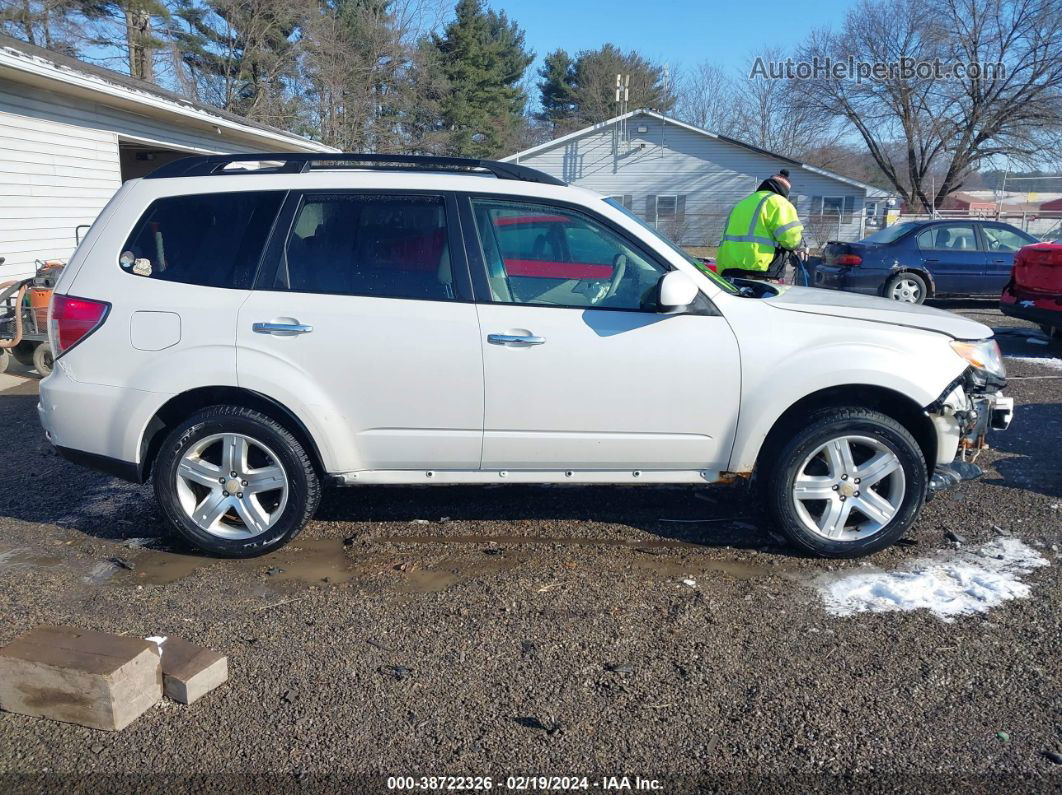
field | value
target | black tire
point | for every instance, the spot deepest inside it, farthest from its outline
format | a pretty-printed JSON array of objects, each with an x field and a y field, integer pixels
[
  {"x": 23, "y": 353},
  {"x": 911, "y": 276},
  {"x": 42, "y": 359},
  {"x": 304, "y": 489},
  {"x": 819, "y": 428}
]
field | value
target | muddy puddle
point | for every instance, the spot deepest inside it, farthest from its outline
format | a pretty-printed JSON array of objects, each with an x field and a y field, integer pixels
[
  {"x": 657, "y": 556},
  {"x": 440, "y": 575},
  {"x": 442, "y": 562},
  {"x": 22, "y": 559}
]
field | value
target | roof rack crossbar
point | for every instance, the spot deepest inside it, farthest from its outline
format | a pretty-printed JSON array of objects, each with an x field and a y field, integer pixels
[{"x": 301, "y": 162}]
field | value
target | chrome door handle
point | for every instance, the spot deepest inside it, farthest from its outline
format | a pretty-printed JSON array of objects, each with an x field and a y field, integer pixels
[
  {"x": 514, "y": 339},
  {"x": 281, "y": 328}
]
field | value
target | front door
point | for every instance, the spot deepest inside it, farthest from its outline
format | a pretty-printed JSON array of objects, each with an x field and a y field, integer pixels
[
  {"x": 1001, "y": 244},
  {"x": 363, "y": 316},
  {"x": 581, "y": 372},
  {"x": 953, "y": 257}
]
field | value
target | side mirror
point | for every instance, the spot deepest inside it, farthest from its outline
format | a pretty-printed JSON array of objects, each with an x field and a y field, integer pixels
[{"x": 677, "y": 291}]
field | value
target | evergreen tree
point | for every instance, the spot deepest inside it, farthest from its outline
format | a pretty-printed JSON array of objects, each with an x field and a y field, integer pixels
[
  {"x": 484, "y": 60},
  {"x": 555, "y": 90},
  {"x": 579, "y": 92},
  {"x": 594, "y": 81}
]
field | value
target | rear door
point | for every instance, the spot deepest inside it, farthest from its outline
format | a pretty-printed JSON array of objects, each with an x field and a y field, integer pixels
[
  {"x": 362, "y": 315},
  {"x": 581, "y": 371},
  {"x": 1001, "y": 242},
  {"x": 952, "y": 254}
]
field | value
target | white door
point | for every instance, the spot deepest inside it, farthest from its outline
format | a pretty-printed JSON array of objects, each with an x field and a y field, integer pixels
[
  {"x": 581, "y": 372},
  {"x": 363, "y": 326}
]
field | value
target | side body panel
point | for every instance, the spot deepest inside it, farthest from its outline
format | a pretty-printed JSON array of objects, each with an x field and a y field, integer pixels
[{"x": 787, "y": 356}]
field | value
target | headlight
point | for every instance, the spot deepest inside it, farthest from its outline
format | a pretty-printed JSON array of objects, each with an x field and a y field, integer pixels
[{"x": 983, "y": 355}]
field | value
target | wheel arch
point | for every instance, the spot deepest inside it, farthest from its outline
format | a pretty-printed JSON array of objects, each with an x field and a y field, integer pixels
[
  {"x": 888, "y": 401},
  {"x": 180, "y": 407}
]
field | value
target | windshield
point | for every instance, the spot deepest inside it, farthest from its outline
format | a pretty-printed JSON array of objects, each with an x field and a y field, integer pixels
[
  {"x": 719, "y": 280},
  {"x": 891, "y": 233}
]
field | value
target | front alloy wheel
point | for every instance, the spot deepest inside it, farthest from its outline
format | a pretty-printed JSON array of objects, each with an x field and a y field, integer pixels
[
  {"x": 849, "y": 488},
  {"x": 848, "y": 482}
]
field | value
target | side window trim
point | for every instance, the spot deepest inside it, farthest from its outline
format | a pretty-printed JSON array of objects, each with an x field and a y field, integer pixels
[
  {"x": 276, "y": 247},
  {"x": 478, "y": 266}
]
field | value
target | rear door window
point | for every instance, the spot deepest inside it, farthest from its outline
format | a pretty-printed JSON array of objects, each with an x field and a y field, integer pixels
[
  {"x": 374, "y": 245},
  {"x": 213, "y": 240}
]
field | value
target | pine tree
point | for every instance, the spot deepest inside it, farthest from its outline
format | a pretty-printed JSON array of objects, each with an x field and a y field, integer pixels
[
  {"x": 555, "y": 91},
  {"x": 484, "y": 60},
  {"x": 592, "y": 84}
]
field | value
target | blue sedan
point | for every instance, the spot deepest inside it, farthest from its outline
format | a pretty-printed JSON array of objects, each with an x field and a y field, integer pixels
[{"x": 915, "y": 260}]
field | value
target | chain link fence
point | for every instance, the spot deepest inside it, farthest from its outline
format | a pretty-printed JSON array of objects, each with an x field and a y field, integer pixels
[{"x": 701, "y": 232}]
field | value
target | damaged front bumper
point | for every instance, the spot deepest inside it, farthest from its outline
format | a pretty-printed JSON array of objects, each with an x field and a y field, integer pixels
[{"x": 962, "y": 417}]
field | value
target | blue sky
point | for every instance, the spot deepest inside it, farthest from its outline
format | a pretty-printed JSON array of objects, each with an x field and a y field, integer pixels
[{"x": 677, "y": 32}]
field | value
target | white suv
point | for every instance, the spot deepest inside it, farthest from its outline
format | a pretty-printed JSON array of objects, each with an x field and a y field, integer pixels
[{"x": 244, "y": 335}]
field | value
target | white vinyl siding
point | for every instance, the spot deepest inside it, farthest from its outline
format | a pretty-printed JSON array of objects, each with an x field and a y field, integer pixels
[
  {"x": 60, "y": 159},
  {"x": 53, "y": 177}
]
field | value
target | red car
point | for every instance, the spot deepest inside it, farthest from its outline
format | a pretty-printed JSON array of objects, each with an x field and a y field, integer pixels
[{"x": 1034, "y": 291}]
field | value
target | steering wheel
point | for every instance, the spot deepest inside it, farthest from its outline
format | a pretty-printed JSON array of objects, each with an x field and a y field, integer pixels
[{"x": 619, "y": 268}]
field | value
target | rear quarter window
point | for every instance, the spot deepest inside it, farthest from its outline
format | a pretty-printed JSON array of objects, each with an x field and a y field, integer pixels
[{"x": 213, "y": 240}]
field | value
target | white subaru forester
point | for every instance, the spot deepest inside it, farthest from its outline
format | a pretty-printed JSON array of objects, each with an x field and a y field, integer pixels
[{"x": 242, "y": 333}]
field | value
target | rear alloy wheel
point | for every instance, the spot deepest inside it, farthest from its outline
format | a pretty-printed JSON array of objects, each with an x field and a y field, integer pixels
[
  {"x": 848, "y": 484},
  {"x": 234, "y": 482},
  {"x": 907, "y": 287}
]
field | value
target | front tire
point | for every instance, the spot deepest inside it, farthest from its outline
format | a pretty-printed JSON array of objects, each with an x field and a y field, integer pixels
[
  {"x": 849, "y": 483},
  {"x": 234, "y": 482},
  {"x": 907, "y": 287}
]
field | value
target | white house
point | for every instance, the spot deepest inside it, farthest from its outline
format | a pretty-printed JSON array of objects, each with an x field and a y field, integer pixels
[
  {"x": 71, "y": 133},
  {"x": 686, "y": 179}
]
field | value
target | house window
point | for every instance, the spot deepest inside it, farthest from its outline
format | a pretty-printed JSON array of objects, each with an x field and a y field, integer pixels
[
  {"x": 626, "y": 199},
  {"x": 665, "y": 208},
  {"x": 833, "y": 206}
]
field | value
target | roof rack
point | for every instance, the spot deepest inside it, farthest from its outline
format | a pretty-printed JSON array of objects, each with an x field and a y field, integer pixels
[{"x": 300, "y": 163}]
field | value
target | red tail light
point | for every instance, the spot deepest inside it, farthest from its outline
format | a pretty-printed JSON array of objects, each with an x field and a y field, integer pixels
[
  {"x": 849, "y": 259},
  {"x": 73, "y": 319}
]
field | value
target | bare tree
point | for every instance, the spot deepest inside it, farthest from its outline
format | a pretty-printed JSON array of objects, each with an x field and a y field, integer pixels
[
  {"x": 769, "y": 114},
  {"x": 706, "y": 98},
  {"x": 928, "y": 134}
]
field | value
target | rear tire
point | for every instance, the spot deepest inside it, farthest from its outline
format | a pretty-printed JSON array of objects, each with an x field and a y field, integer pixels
[
  {"x": 817, "y": 493},
  {"x": 42, "y": 359},
  {"x": 907, "y": 287},
  {"x": 206, "y": 504}
]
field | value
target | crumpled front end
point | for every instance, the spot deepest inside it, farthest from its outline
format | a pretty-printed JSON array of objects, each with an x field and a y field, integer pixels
[{"x": 962, "y": 416}]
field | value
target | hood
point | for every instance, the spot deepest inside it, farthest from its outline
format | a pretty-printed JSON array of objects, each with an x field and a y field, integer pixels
[{"x": 877, "y": 310}]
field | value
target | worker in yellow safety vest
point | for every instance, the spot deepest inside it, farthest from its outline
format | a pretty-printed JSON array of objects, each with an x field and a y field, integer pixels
[{"x": 761, "y": 233}]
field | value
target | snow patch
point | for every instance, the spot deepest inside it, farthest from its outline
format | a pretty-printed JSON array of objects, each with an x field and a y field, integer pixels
[
  {"x": 1044, "y": 361},
  {"x": 953, "y": 585}
]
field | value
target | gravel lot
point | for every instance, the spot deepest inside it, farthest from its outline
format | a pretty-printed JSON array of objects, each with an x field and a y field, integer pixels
[{"x": 653, "y": 632}]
